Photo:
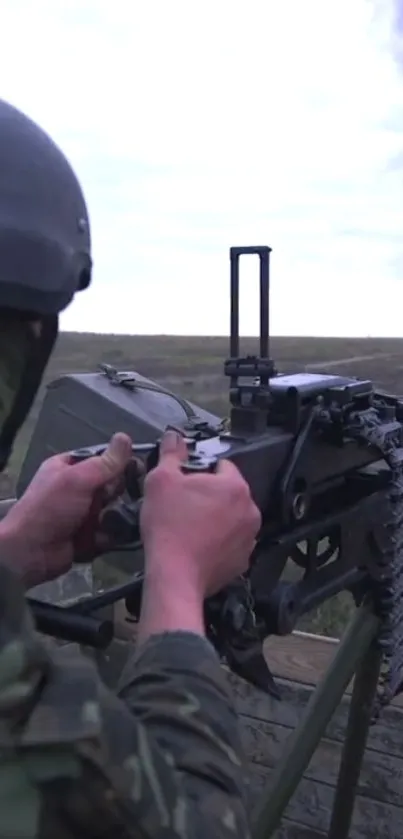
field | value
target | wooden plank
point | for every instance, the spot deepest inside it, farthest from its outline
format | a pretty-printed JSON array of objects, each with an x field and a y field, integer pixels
[
  {"x": 381, "y": 777},
  {"x": 299, "y": 657},
  {"x": 298, "y": 661},
  {"x": 304, "y": 658},
  {"x": 266, "y": 724},
  {"x": 311, "y": 807},
  {"x": 264, "y": 738},
  {"x": 386, "y": 736},
  {"x": 292, "y": 830}
]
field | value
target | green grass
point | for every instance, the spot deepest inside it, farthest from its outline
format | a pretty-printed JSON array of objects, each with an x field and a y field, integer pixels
[{"x": 193, "y": 367}]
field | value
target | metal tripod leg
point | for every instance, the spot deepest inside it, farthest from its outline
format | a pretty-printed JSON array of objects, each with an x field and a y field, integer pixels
[
  {"x": 359, "y": 721},
  {"x": 304, "y": 740}
]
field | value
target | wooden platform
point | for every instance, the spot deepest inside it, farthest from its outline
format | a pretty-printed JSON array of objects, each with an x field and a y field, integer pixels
[{"x": 298, "y": 661}]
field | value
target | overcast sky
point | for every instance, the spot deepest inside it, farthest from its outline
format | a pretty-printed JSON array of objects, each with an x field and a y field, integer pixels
[{"x": 196, "y": 126}]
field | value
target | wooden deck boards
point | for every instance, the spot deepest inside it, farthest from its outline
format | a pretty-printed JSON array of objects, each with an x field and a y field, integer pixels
[{"x": 298, "y": 662}]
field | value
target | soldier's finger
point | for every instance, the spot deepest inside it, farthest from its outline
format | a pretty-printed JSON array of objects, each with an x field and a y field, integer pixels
[{"x": 173, "y": 450}]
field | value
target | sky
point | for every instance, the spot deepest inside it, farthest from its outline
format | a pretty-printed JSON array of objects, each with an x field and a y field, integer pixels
[{"x": 197, "y": 126}]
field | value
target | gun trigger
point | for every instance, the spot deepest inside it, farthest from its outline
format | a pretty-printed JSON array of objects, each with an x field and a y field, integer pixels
[{"x": 250, "y": 664}]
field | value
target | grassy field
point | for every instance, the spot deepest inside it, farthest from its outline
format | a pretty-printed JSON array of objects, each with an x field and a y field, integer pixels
[{"x": 193, "y": 368}]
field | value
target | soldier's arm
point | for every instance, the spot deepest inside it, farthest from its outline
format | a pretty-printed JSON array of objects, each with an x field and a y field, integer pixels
[
  {"x": 178, "y": 690},
  {"x": 84, "y": 763}
]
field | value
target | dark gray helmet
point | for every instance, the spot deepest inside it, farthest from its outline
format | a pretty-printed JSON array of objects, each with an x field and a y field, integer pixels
[
  {"x": 44, "y": 259},
  {"x": 44, "y": 227}
]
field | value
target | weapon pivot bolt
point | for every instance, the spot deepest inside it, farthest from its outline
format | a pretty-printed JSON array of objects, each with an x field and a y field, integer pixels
[{"x": 299, "y": 506}]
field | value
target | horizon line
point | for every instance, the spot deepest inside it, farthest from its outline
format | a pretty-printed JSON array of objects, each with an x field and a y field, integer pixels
[{"x": 226, "y": 336}]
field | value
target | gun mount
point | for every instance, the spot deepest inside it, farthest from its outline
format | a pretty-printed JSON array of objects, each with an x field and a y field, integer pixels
[{"x": 323, "y": 456}]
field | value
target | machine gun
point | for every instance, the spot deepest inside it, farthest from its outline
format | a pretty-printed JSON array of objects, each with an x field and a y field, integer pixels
[{"x": 323, "y": 456}]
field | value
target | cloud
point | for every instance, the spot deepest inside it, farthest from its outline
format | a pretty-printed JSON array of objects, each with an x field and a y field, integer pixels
[
  {"x": 197, "y": 126},
  {"x": 388, "y": 20}
]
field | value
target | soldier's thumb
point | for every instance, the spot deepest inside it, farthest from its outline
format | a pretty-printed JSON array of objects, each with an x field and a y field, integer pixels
[
  {"x": 172, "y": 448},
  {"x": 111, "y": 464}
]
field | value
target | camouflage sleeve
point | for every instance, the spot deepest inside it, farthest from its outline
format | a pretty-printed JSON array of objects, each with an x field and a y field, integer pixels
[
  {"x": 178, "y": 690},
  {"x": 77, "y": 761}
]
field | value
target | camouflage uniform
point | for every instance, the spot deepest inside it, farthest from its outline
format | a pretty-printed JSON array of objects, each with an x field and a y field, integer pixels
[{"x": 162, "y": 761}]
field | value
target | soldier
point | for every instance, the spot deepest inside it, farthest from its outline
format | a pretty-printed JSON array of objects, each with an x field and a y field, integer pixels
[{"x": 162, "y": 760}]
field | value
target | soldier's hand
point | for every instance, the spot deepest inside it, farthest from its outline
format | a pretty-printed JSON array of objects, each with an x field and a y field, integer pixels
[
  {"x": 198, "y": 527},
  {"x": 40, "y": 530}
]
